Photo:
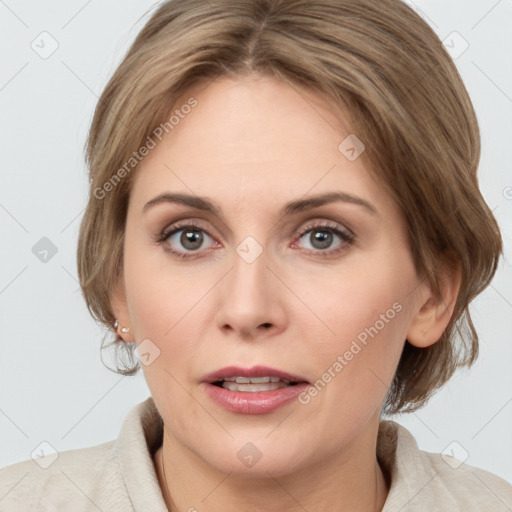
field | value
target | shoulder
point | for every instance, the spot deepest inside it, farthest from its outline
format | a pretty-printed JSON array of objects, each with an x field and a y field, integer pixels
[
  {"x": 422, "y": 480},
  {"x": 115, "y": 476},
  {"x": 87, "y": 477},
  {"x": 470, "y": 486}
]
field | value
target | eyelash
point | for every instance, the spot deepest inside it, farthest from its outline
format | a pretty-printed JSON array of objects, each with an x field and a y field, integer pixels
[{"x": 346, "y": 236}]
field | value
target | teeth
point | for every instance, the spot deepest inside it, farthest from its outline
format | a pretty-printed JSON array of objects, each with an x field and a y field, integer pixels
[
  {"x": 252, "y": 387},
  {"x": 254, "y": 380},
  {"x": 253, "y": 384}
]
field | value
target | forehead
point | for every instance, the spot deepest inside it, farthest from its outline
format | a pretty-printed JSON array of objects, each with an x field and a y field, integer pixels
[{"x": 261, "y": 137}]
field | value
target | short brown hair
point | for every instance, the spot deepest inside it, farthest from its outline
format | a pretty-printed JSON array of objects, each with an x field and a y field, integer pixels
[{"x": 383, "y": 65}]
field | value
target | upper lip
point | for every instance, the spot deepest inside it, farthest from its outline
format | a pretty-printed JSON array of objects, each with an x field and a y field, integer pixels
[{"x": 253, "y": 371}]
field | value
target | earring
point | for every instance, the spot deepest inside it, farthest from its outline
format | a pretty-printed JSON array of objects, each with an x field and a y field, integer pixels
[{"x": 123, "y": 329}]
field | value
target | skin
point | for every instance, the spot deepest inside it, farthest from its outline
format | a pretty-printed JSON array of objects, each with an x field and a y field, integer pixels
[{"x": 250, "y": 146}]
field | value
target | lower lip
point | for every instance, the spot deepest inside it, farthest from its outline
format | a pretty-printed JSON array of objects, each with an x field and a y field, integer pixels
[{"x": 257, "y": 402}]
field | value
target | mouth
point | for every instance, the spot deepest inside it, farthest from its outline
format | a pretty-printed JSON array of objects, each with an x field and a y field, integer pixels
[
  {"x": 255, "y": 390},
  {"x": 256, "y": 378},
  {"x": 253, "y": 384}
]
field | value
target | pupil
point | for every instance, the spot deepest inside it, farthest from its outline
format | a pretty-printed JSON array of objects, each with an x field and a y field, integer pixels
[
  {"x": 191, "y": 239},
  {"x": 322, "y": 238}
]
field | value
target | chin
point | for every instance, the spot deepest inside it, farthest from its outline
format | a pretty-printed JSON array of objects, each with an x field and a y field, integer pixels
[{"x": 251, "y": 456}]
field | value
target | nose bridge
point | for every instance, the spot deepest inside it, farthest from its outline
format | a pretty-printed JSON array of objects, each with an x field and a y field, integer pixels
[
  {"x": 249, "y": 295},
  {"x": 249, "y": 278}
]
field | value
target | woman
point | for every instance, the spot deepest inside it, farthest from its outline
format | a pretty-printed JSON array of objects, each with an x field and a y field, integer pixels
[{"x": 285, "y": 220}]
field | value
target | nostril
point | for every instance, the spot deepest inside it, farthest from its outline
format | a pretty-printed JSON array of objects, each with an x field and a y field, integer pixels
[{"x": 267, "y": 325}]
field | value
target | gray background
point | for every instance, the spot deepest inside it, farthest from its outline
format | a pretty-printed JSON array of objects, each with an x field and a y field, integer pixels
[{"x": 54, "y": 387}]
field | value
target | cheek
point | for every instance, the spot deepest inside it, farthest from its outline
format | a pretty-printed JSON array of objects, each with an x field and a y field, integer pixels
[
  {"x": 358, "y": 300},
  {"x": 172, "y": 311},
  {"x": 167, "y": 312},
  {"x": 159, "y": 291},
  {"x": 168, "y": 309},
  {"x": 366, "y": 309}
]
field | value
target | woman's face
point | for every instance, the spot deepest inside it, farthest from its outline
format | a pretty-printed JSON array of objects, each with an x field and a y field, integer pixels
[{"x": 323, "y": 291}]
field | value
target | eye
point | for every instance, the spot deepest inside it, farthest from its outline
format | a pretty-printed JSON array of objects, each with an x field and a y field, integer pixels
[
  {"x": 189, "y": 238},
  {"x": 321, "y": 236}
]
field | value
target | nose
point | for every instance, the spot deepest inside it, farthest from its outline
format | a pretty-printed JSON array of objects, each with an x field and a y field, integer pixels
[{"x": 250, "y": 299}]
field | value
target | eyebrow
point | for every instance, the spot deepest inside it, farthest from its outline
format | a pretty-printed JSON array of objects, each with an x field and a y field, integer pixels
[{"x": 291, "y": 208}]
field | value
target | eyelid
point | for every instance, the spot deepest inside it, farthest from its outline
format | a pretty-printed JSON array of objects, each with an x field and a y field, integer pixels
[
  {"x": 326, "y": 224},
  {"x": 179, "y": 225},
  {"x": 315, "y": 223}
]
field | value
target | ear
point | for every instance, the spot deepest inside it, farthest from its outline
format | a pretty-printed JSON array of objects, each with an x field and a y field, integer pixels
[
  {"x": 121, "y": 312},
  {"x": 435, "y": 310}
]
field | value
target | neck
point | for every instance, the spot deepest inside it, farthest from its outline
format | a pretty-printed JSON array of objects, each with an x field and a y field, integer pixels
[{"x": 349, "y": 480}]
